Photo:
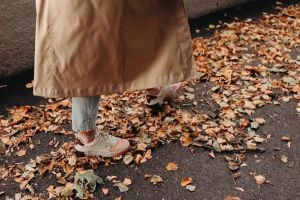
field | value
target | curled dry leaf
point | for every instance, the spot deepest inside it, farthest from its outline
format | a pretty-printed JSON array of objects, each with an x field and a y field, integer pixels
[
  {"x": 142, "y": 147},
  {"x": 122, "y": 187},
  {"x": 21, "y": 152},
  {"x": 172, "y": 166},
  {"x": 128, "y": 159},
  {"x": 236, "y": 175},
  {"x": 186, "y": 181},
  {"x": 233, "y": 166},
  {"x": 240, "y": 189},
  {"x": 68, "y": 190},
  {"x": 212, "y": 154},
  {"x": 229, "y": 137},
  {"x": 260, "y": 179},
  {"x": 29, "y": 85},
  {"x": 286, "y": 138},
  {"x": 155, "y": 179},
  {"x": 127, "y": 181},
  {"x": 190, "y": 188},
  {"x": 105, "y": 191},
  {"x": 251, "y": 145},
  {"x": 232, "y": 198},
  {"x": 284, "y": 159},
  {"x": 185, "y": 140},
  {"x": 260, "y": 120},
  {"x": 258, "y": 139}
]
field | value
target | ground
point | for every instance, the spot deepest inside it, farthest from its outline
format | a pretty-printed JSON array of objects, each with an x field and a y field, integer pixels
[{"x": 275, "y": 159}]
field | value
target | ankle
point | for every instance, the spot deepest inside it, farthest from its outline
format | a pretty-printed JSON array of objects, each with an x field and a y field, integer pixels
[{"x": 87, "y": 137}]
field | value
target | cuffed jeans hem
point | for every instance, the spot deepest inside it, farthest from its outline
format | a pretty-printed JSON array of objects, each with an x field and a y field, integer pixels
[
  {"x": 84, "y": 113},
  {"x": 83, "y": 129},
  {"x": 88, "y": 126}
]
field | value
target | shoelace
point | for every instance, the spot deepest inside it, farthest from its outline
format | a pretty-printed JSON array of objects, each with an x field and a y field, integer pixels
[{"x": 106, "y": 139}]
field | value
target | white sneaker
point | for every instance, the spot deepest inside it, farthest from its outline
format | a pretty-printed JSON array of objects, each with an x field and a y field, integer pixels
[{"x": 103, "y": 145}]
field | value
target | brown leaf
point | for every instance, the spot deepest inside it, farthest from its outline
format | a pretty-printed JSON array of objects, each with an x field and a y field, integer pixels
[
  {"x": 228, "y": 74},
  {"x": 233, "y": 166},
  {"x": 142, "y": 147},
  {"x": 105, "y": 191},
  {"x": 286, "y": 138},
  {"x": 155, "y": 179},
  {"x": 244, "y": 123},
  {"x": 212, "y": 154},
  {"x": 128, "y": 159},
  {"x": 232, "y": 198},
  {"x": 185, "y": 140},
  {"x": 186, "y": 181},
  {"x": 127, "y": 181},
  {"x": 229, "y": 137},
  {"x": 172, "y": 166},
  {"x": 21, "y": 152},
  {"x": 260, "y": 179},
  {"x": 260, "y": 120}
]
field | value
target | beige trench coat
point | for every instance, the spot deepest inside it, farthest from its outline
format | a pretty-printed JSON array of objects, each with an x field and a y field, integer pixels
[{"x": 93, "y": 47}]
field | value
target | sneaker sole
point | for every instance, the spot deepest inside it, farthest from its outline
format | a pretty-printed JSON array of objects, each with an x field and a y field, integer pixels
[{"x": 105, "y": 155}]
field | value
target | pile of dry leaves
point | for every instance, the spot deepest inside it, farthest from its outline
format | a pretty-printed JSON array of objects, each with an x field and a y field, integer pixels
[{"x": 246, "y": 62}]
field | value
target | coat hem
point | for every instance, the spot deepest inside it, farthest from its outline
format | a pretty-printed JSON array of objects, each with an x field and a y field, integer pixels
[{"x": 104, "y": 90}]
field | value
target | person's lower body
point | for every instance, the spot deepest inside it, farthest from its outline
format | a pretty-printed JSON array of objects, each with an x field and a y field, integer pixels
[{"x": 89, "y": 140}]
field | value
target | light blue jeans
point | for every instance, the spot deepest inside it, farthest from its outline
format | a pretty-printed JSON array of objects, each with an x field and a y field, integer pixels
[{"x": 84, "y": 113}]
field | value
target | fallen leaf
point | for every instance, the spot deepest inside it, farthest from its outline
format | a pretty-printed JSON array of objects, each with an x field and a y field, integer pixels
[
  {"x": 127, "y": 181},
  {"x": 251, "y": 145},
  {"x": 260, "y": 179},
  {"x": 258, "y": 139},
  {"x": 190, "y": 188},
  {"x": 233, "y": 166},
  {"x": 212, "y": 154},
  {"x": 186, "y": 181},
  {"x": 240, "y": 189},
  {"x": 286, "y": 138},
  {"x": 122, "y": 187},
  {"x": 185, "y": 140},
  {"x": 155, "y": 179},
  {"x": 68, "y": 190},
  {"x": 229, "y": 137},
  {"x": 284, "y": 159},
  {"x": 105, "y": 191},
  {"x": 290, "y": 80},
  {"x": 21, "y": 152},
  {"x": 128, "y": 159},
  {"x": 236, "y": 175},
  {"x": 260, "y": 120},
  {"x": 142, "y": 147},
  {"x": 228, "y": 74},
  {"x": 172, "y": 166},
  {"x": 29, "y": 85},
  {"x": 232, "y": 198}
]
